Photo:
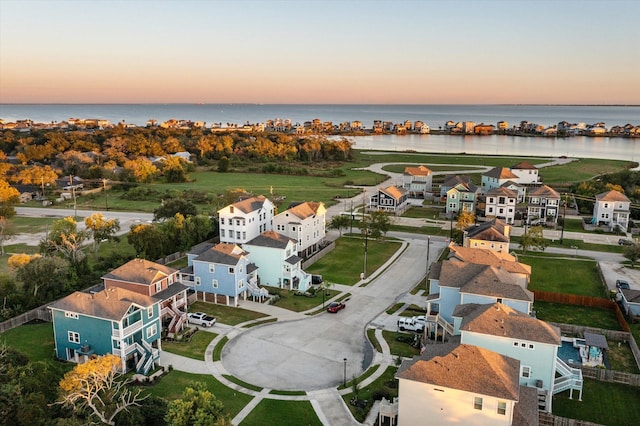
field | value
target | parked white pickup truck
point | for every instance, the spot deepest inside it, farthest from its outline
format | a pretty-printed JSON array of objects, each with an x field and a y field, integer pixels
[
  {"x": 411, "y": 324},
  {"x": 200, "y": 318}
]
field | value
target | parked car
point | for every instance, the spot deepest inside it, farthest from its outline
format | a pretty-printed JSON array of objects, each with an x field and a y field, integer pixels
[
  {"x": 200, "y": 318},
  {"x": 316, "y": 279},
  {"x": 334, "y": 307},
  {"x": 622, "y": 285},
  {"x": 411, "y": 324},
  {"x": 625, "y": 242}
]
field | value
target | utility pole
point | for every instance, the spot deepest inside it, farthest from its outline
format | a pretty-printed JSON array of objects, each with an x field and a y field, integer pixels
[
  {"x": 73, "y": 192},
  {"x": 106, "y": 195},
  {"x": 564, "y": 217},
  {"x": 426, "y": 276}
]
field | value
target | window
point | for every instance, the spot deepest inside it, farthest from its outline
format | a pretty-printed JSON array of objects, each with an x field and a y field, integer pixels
[
  {"x": 240, "y": 284},
  {"x": 73, "y": 315},
  {"x": 502, "y": 408},
  {"x": 197, "y": 280},
  {"x": 212, "y": 268},
  {"x": 214, "y": 283},
  {"x": 525, "y": 371},
  {"x": 222, "y": 221},
  {"x": 231, "y": 270},
  {"x": 499, "y": 300},
  {"x": 477, "y": 403},
  {"x": 531, "y": 346},
  {"x": 150, "y": 312},
  {"x": 240, "y": 268},
  {"x": 74, "y": 337},
  {"x": 158, "y": 286},
  {"x": 152, "y": 330},
  {"x": 515, "y": 344},
  {"x": 230, "y": 209},
  {"x": 222, "y": 232}
]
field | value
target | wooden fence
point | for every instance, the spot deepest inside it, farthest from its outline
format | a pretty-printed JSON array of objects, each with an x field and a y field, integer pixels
[
  {"x": 319, "y": 255},
  {"x": 611, "y": 376},
  {"x": 548, "y": 419},
  {"x": 40, "y": 313}
]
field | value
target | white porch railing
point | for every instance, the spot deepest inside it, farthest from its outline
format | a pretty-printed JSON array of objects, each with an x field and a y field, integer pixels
[{"x": 570, "y": 378}]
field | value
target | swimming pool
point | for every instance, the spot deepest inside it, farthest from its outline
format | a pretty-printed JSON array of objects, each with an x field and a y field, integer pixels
[{"x": 569, "y": 354}]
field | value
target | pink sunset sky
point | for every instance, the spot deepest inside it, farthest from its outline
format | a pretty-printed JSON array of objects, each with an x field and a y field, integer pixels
[{"x": 404, "y": 52}]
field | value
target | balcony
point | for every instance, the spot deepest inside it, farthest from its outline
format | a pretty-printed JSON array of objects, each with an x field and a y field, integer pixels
[{"x": 127, "y": 331}]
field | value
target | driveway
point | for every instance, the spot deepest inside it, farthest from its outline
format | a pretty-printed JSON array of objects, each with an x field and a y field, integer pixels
[{"x": 309, "y": 354}]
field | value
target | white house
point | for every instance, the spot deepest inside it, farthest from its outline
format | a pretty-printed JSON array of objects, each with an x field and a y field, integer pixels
[
  {"x": 494, "y": 235},
  {"x": 496, "y": 177},
  {"x": 245, "y": 220},
  {"x": 305, "y": 223},
  {"x": 462, "y": 384},
  {"x": 501, "y": 203},
  {"x": 527, "y": 173},
  {"x": 630, "y": 300},
  {"x": 533, "y": 342},
  {"x": 612, "y": 209},
  {"x": 278, "y": 264},
  {"x": 417, "y": 181}
]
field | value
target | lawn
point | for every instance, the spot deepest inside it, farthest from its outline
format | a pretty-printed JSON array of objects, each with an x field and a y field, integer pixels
[
  {"x": 194, "y": 349},
  {"x": 423, "y": 212},
  {"x": 282, "y": 413},
  {"x": 33, "y": 340},
  {"x": 30, "y": 225},
  {"x": 371, "y": 335},
  {"x": 562, "y": 275},
  {"x": 384, "y": 386},
  {"x": 602, "y": 403},
  {"x": 400, "y": 348},
  {"x": 621, "y": 358},
  {"x": 226, "y": 314},
  {"x": 399, "y": 168},
  {"x": 289, "y": 300},
  {"x": 577, "y": 315},
  {"x": 346, "y": 262},
  {"x": 172, "y": 384},
  {"x": 580, "y": 170}
]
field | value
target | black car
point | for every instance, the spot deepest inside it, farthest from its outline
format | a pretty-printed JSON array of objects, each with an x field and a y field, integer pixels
[
  {"x": 625, "y": 242},
  {"x": 622, "y": 285}
]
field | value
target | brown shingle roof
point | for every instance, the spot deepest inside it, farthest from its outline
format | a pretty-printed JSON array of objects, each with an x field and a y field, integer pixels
[
  {"x": 524, "y": 165},
  {"x": 393, "y": 191},
  {"x": 501, "y": 320},
  {"x": 489, "y": 257},
  {"x": 304, "y": 210},
  {"x": 271, "y": 239},
  {"x": 501, "y": 173},
  {"x": 502, "y": 191},
  {"x": 250, "y": 204},
  {"x": 612, "y": 195},
  {"x": 453, "y": 180},
  {"x": 493, "y": 230},
  {"x": 493, "y": 374},
  {"x": 417, "y": 171},
  {"x": 223, "y": 253},
  {"x": 544, "y": 191},
  {"x": 481, "y": 279},
  {"x": 112, "y": 303},
  {"x": 525, "y": 411},
  {"x": 140, "y": 271}
]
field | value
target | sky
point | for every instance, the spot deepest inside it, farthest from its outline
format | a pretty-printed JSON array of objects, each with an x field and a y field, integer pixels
[{"x": 329, "y": 52}]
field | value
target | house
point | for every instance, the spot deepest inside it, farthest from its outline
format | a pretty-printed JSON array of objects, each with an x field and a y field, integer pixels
[
  {"x": 222, "y": 273},
  {"x": 437, "y": 387},
  {"x": 484, "y": 129},
  {"x": 501, "y": 203},
  {"x": 494, "y": 235},
  {"x": 630, "y": 300},
  {"x": 496, "y": 177},
  {"x": 391, "y": 200},
  {"x": 612, "y": 209},
  {"x": 515, "y": 334},
  {"x": 279, "y": 266},
  {"x": 417, "y": 181},
  {"x": 245, "y": 220},
  {"x": 451, "y": 181},
  {"x": 114, "y": 320},
  {"x": 70, "y": 183},
  {"x": 461, "y": 197},
  {"x": 305, "y": 223},
  {"x": 520, "y": 190},
  {"x": 453, "y": 283},
  {"x": 543, "y": 205},
  {"x": 159, "y": 281},
  {"x": 500, "y": 259},
  {"x": 526, "y": 172}
]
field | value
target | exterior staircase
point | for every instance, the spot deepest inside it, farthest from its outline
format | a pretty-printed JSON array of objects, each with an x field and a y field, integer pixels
[
  {"x": 256, "y": 291},
  {"x": 568, "y": 378},
  {"x": 436, "y": 318},
  {"x": 148, "y": 355}
]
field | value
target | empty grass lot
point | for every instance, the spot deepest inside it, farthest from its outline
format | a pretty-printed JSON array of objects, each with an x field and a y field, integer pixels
[
  {"x": 33, "y": 340},
  {"x": 346, "y": 262},
  {"x": 578, "y": 315},
  {"x": 288, "y": 300},
  {"x": 226, "y": 314},
  {"x": 602, "y": 403},
  {"x": 172, "y": 384},
  {"x": 193, "y": 349},
  {"x": 282, "y": 413},
  {"x": 562, "y": 275}
]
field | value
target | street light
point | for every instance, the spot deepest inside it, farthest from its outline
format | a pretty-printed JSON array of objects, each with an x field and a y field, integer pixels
[
  {"x": 426, "y": 276},
  {"x": 366, "y": 240},
  {"x": 344, "y": 377}
]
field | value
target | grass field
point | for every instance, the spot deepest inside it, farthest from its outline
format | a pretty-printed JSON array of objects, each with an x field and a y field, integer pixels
[
  {"x": 398, "y": 348},
  {"x": 602, "y": 403},
  {"x": 226, "y": 314},
  {"x": 282, "y": 413},
  {"x": 33, "y": 340},
  {"x": 576, "y": 276},
  {"x": 578, "y": 315},
  {"x": 288, "y": 300},
  {"x": 194, "y": 349},
  {"x": 346, "y": 262},
  {"x": 399, "y": 168}
]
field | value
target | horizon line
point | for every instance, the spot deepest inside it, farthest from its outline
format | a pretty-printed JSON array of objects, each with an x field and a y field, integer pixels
[{"x": 321, "y": 103}]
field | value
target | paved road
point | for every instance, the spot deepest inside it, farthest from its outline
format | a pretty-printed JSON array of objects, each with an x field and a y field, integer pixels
[{"x": 309, "y": 354}]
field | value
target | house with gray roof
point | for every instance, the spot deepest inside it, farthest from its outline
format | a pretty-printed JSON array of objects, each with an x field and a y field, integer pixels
[
  {"x": 278, "y": 264},
  {"x": 115, "y": 320},
  {"x": 304, "y": 222},
  {"x": 501, "y": 203},
  {"x": 543, "y": 205},
  {"x": 463, "y": 384},
  {"x": 496, "y": 177},
  {"x": 630, "y": 300},
  {"x": 494, "y": 234},
  {"x": 245, "y": 220}
]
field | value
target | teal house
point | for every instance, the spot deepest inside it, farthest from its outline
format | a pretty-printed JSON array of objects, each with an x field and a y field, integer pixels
[{"x": 116, "y": 321}]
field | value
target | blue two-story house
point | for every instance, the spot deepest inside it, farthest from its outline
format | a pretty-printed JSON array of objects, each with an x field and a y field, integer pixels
[
  {"x": 222, "y": 273},
  {"x": 116, "y": 321}
]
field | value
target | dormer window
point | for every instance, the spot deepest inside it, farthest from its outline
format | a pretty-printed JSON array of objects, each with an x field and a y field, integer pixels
[{"x": 231, "y": 209}]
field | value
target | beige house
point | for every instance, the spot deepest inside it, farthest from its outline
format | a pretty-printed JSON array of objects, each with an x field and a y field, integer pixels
[
  {"x": 417, "y": 181},
  {"x": 305, "y": 223},
  {"x": 493, "y": 235},
  {"x": 612, "y": 209}
]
